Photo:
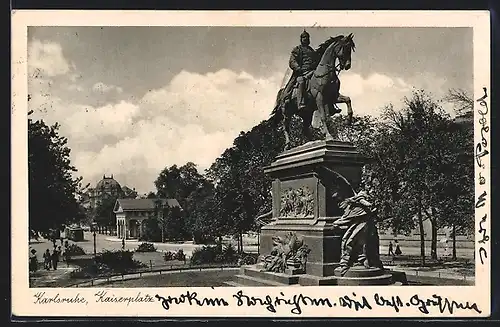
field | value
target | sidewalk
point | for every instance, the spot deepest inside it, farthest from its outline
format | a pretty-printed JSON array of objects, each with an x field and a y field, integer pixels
[
  {"x": 130, "y": 276},
  {"x": 188, "y": 247},
  {"x": 441, "y": 273},
  {"x": 51, "y": 278}
]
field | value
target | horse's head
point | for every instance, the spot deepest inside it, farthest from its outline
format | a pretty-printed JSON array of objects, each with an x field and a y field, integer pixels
[
  {"x": 346, "y": 47},
  {"x": 339, "y": 47}
]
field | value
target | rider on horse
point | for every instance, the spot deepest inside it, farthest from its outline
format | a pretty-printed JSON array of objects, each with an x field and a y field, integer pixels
[{"x": 303, "y": 62}]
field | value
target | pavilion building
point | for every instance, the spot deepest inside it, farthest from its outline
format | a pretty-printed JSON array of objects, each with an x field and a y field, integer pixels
[{"x": 131, "y": 213}]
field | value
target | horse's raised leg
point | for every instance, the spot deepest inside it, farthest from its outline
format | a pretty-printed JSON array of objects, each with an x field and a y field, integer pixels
[
  {"x": 322, "y": 109},
  {"x": 345, "y": 99}
]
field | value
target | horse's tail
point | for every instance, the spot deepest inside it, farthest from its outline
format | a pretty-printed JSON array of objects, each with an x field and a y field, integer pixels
[{"x": 277, "y": 115}]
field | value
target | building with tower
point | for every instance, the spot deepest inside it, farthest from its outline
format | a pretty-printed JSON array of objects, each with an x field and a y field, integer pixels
[{"x": 107, "y": 187}]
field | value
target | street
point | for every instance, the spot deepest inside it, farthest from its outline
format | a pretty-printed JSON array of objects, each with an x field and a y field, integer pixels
[{"x": 110, "y": 243}]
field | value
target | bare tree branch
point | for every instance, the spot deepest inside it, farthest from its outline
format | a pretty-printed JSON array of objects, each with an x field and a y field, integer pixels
[{"x": 461, "y": 100}]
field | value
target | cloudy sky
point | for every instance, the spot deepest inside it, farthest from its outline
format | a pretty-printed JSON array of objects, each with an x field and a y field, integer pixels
[{"x": 133, "y": 100}]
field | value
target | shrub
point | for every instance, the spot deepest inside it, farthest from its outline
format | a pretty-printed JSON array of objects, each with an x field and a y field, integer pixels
[
  {"x": 248, "y": 258},
  {"x": 199, "y": 238},
  {"x": 206, "y": 254},
  {"x": 214, "y": 254},
  {"x": 146, "y": 247},
  {"x": 168, "y": 256},
  {"x": 179, "y": 255},
  {"x": 229, "y": 254},
  {"x": 118, "y": 261},
  {"x": 90, "y": 270},
  {"x": 74, "y": 249}
]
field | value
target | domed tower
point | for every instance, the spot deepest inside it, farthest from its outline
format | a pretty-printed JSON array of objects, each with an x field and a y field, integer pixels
[{"x": 108, "y": 187}]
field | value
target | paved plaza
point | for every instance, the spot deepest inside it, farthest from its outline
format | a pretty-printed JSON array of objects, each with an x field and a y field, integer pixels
[
  {"x": 61, "y": 277},
  {"x": 111, "y": 243}
]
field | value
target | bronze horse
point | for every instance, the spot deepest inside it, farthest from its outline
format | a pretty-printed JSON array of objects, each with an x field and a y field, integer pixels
[{"x": 322, "y": 90}]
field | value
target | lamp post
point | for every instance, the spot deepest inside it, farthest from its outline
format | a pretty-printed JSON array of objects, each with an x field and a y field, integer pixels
[
  {"x": 94, "y": 234},
  {"x": 258, "y": 242}
]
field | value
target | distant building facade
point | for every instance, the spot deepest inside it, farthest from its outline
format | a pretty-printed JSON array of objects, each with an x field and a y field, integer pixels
[
  {"x": 107, "y": 187},
  {"x": 131, "y": 213}
]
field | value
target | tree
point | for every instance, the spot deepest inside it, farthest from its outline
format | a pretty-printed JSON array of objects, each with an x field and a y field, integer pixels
[
  {"x": 416, "y": 171},
  {"x": 178, "y": 182},
  {"x": 459, "y": 205},
  {"x": 242, "y": 189},
  {"x": 174, "y": 224},
  {"x": 461, "y": 100},
  {"x": 203, "y": 222},
  {"x": 151, "y": 195},
  {"x": 151, "y": 230},
  {"x": 53, "y": 190},
  {"x": 104, "y": 211}
]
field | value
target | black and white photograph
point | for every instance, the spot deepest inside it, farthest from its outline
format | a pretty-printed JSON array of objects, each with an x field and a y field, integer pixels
[{"x": 254, "y": 157}]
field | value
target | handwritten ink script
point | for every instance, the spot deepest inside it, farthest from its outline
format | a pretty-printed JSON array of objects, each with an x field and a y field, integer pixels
[
  {"x": 104, "y": 297},
  {"x": 297, "y": 302},
  {"x": 44, "y": 298},
  {"x": 481, "y": 152},
  {"x": 99, "y": 297}
]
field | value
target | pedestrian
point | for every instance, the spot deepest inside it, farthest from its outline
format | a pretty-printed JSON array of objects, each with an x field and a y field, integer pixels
[
  {"x": 398, "y": 250},
  {"x": 391, "y": 251},
  {"x": 33, "y": 261},
  {"x": 60, "y": 253},
  {"x": 66, "y": 257},
  {"x": 47, "y": 260},
  {"x": 123, "y": 244},
  {"x": 55, "y": 258}
]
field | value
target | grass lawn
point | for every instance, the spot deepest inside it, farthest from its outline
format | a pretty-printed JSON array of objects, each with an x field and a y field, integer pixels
[{"x": 184, "y": 279}]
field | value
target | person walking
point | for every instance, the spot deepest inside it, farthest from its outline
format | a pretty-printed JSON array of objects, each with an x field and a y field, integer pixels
[
  {"x": 398, "y": 250},
  {"x": 391, "y": 250},
  {"x": 55, "y": 258},
  {"x": 33, "y": 261},
  {"x": 66, "y": 253},
  {"x": 47, "y": 260}
]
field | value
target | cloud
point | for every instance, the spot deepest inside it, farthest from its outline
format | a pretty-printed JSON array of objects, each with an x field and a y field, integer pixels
[
  {"x": 104, "y": 88},
  {"x": 47, "y": 57},
  {"x": 194, "y": 117},
  {"x": 220, "y": 101},
  {"x": 370, "y": 94},
  {"x": 75, "y": 87}
]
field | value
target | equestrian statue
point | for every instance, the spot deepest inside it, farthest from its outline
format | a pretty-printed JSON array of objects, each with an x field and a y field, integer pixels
[{"x": 314, "y": 84}]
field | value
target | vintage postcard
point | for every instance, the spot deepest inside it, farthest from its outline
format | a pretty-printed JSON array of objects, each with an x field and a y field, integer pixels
[{"x": 251, "y": 164}]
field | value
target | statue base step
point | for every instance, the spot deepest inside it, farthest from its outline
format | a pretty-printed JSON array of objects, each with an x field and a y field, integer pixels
[
  {"x": 255, "y": 276},
  {"x": 364, "y": 276}
]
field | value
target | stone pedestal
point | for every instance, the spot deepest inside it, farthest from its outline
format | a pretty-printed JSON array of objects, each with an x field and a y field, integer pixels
[
  {"x": 364, "y": 276},
  {"x": 304, "y": 180}
]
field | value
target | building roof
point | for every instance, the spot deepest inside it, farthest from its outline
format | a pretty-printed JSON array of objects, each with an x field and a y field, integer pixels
[
  {"x": 108, "y": 183},
  {"x": 466, "y": 118},
  {"x": 143, "y": 204},
  {"x": 128, "y": 192}
]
